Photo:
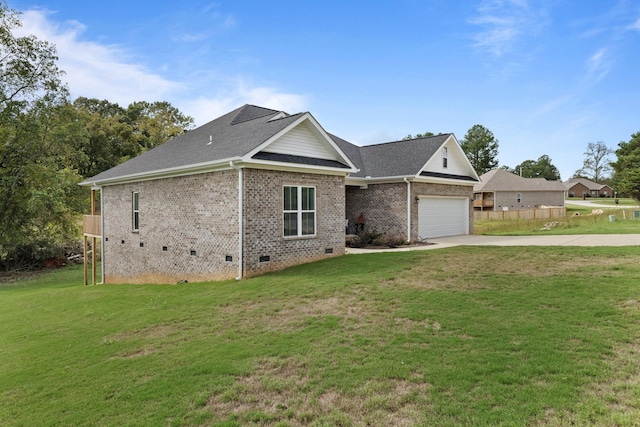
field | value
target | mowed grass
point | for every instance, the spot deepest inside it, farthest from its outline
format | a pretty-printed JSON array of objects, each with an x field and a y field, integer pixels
[
  {"x": 460, "y": 336},
  {"x": 579, "y": 220}
]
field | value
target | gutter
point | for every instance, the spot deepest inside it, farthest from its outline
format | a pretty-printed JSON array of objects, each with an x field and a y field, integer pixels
[
  {"x": 408, "y": 209},
  {"x": 240, "y": 219}
]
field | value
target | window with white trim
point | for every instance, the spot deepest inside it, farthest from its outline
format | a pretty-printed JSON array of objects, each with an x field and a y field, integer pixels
[
  {"x": 135, "y": 211},
  {"x": 445, "y": 156},
  {"x": 518, "y": 198},
  {"x": 299, "y": 211}
]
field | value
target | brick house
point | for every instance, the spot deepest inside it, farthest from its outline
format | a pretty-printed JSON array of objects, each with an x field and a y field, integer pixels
[
  {"x": 258, "y": 190},
  {"x": 581, "y": 187},
  {"x": 503, "y": 190}
]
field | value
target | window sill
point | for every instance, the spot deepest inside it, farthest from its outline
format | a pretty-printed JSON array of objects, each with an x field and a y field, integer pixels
[{"x": 288, "y": 238}]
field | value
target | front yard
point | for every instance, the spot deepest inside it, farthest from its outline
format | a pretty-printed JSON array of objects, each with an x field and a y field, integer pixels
[{"x": 458, "y": 336}]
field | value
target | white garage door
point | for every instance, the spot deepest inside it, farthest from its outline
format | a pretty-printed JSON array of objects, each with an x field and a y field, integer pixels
[{"x": 443, "y": 216}]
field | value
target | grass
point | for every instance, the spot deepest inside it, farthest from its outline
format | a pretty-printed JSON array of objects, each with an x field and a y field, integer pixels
[
  {"x": 607, "y": 201},
  {"x": 579, "y": 220},
  {"x": 449, "y": 337}
]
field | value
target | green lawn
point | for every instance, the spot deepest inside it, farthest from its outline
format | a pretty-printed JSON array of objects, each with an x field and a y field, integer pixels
[
  {"x": 579, "y": 220},
  {"x": 459, "y": 336}
]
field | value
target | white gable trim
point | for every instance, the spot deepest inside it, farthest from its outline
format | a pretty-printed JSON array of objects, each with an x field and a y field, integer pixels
[
  {"x": 326, "y": 148},
  {"x": 457, "y": 163}
]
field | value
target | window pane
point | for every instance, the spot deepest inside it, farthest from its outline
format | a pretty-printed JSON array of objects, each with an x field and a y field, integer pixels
[
  {"x": 136, "y": 221},
  {"x": 308, "y": 223},
  {"x": 308, "y": 198},
  {"x": 135, "y": 201},
  {"x": 290, "y": 224},
  {"x": 290, "y": 198}
]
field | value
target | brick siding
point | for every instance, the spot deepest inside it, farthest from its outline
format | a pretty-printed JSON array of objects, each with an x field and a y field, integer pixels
[
  {"x": 385, "y": 205},
  {"x": 177, "y": 216},
  {"x": 264, "y": 220},
  {"x": 188, "y": 227}
]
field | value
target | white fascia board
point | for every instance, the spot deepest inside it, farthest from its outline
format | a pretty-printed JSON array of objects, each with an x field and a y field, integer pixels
[
  {"x": 166, "y": 173},
  {"x": 316, "y": 125}
]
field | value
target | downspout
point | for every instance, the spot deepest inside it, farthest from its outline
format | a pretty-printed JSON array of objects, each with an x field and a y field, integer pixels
[
  {"x": 408, "y": 209},
  {"x": 240, "y": 220},
  {"x": 101, "y": 238}
]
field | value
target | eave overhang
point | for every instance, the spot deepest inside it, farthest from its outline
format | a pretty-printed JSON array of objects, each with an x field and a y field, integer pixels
[{"x": 363, "y": 182}]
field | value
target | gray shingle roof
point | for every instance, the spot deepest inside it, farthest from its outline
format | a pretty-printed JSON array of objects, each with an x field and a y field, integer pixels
[
  {"x": 241, "y": 131},
  {"x": 232, "y": 135},
  {"x": 398, "y": 158},
  {"x": 501, "y": 180},
  {"x": 589, "y": 184}
]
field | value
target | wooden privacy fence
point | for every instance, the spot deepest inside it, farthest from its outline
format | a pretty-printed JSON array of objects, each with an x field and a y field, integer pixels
[{"x": 542, "y": 213}]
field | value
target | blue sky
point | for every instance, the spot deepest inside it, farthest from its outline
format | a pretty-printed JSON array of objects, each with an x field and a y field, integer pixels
[{"x": 546, "y": 77}]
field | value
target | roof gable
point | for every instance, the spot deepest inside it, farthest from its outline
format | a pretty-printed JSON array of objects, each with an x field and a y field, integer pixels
[
  {"x": 303, "y": 140},
  {"x": 456, "y": 163}
]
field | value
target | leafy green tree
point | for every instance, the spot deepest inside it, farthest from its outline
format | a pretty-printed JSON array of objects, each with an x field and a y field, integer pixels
[
  {"x": 596, "y": 166},
  {"x": 541, "y": 168},
  {"x": 481, "y": 147},
  {"x": 116, "y": 134},
  {"x": 626, "y": 179},
  {"x": 156, "y": 123},
  {"x": 28, "y": 70},
  {"x": 418, "y": 135}
]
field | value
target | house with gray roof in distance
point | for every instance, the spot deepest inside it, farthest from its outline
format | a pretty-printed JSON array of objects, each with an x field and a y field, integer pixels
[
  {"x": 499, "y": 189},
  {"x": 582, "y": 187},
  {"x": 257, "y": 190}
]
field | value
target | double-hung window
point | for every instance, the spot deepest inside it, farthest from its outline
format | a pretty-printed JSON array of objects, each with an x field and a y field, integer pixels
[
  {"x": 299, "y": 211},
  {"x": 445, "y": 159},
  {"x": 135, "y": 211}
]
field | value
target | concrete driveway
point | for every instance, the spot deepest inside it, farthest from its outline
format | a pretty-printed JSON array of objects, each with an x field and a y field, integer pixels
[{"x": 551, "y": 240}]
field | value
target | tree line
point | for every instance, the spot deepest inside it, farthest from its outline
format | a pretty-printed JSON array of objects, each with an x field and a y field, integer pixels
[{"x": 48, "y": 144}]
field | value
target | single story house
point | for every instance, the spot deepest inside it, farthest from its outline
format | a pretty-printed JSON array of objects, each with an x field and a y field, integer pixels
[
  {"x": 257, "y": 190},
  {"x": 582, "y": 187},
  {"x": 499, "y": 189}
]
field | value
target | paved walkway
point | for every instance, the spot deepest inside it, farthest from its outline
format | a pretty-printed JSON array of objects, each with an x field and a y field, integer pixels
[{"x": 551, "y": 240}]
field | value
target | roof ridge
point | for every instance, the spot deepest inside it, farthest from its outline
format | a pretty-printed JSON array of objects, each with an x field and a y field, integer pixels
[
  {"x": 405, "y": 140},
  {"x": 244, "y": 115}
]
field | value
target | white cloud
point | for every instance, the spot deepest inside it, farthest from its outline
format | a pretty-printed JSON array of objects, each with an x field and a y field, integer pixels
[
  {"x": 102, "y": 71},
  {"x": 504, "y": 22},
  {"x": 205, "y": 108},
  {"x": 92, "y": 69},
  {"x": 598, "y": 66},
  {"x": 635, "y": 25}
]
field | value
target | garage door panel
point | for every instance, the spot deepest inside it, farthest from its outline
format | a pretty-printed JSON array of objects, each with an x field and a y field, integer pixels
[{"x": 443, "y": 216}]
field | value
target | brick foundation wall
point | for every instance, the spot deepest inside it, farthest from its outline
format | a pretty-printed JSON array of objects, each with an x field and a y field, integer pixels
[
  {"x": 263, "y": 220},
  {"x": 182, "y": 214}
]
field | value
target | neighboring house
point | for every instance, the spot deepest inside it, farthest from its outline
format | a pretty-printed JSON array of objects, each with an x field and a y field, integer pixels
[
  {"x": 258, "y": 190},
  {"x": 581, "y": 187},
  {"x": 502, "y": 190}
]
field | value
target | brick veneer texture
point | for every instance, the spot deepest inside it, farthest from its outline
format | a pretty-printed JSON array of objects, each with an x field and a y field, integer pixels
[
  {"x": 385, "y": 205},
  {"x": 188, "y": 227},
  {"x": 264, "y": 220}
]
